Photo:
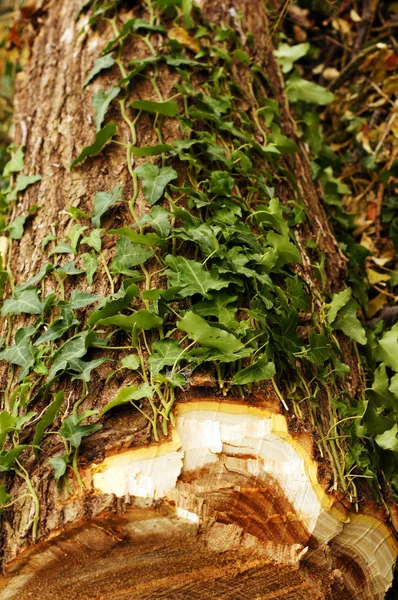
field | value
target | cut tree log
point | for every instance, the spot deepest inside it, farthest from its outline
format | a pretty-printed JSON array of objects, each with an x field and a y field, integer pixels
[{"x": 236, "y": 502}]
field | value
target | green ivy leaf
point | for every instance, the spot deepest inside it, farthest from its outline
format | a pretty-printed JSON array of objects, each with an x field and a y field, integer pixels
[
  {"x": 261, "y": 370},
  {"x": 101, "y": 101},
  {"x": 388, "y": 440},
  {"x": 167, "y": 109},
  {"x": 69, "y": 268},
  {"x": 81, "y": 299},
  {"x": 158, "y": 219},
  {"x": 103, "y": 201},
  {"x": 15, "y": 164},
  {"x": 93, "y": 240},
  {"x": 131, "y": 362},
  {"x": 128, "y": 255},
  {"x": 22, "y": 183},
  {"x": 103, "y": 136},
  {"x": 221, "y": 183},
  {"x": 151, "y": 150},
  {"x": 387, "y": 350},
  {"x": 320, "y": 349},
  {"x": 117, "y": 304},
  {"x": 59, "y": 464},
  {"x": 100, "y": 64},
  {"x": 7, "y": 459},
  {"x": 62, "y": 248},
  {"x": 47, "y": 420},
  {"x": 16, "y": 228},
  {"x": 307, "y": 91},
  {"x": 142, "y": 319},
  {"x": 90, "y": 265},
  {"x": 25, "y": 302},
  {"x": 72, "y": 431},
  {"x": 167, "y": 354},
  {"x": 149, "y": 239},
  {"x": 20, "y": 353},
  {"x": 192, "y": 277},
  {"x": 349, "y": 323},
  {"x": 4, "y": 496},
  {"x": 287, "y": 55},
  {"x": 59, "y": 327},
  {"x": 82, "y": 369},
  {"x": 155, "y": 180},
  {"x": 287, "y": 251},
  {"x": 129, "y": 394},
  {"x": 207, "y": 335},
  {"x": 284, "y": 144},
  {"x": 218, "y": 307},
  {"x": 74, "y": 348},
  {"x": 46, "y": 268},
  {"x": 338, "y": 301},
  {"x": 75, "y": 234}
]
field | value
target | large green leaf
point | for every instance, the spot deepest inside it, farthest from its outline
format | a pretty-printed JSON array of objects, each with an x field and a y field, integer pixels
[
  {"x": 82, "y": 369},
  {"x": 102, "y": 137},
  {"x": 142, "y": 319},
  {"x": 155, "y": 180},
  {"x": 287, "y": 55},
  {"x": 348, "y": 322},
  {"x": 207, "y": 335},
  {"x": 74, "y": 348},
  {"x": 22, "y": 183},
  {"x": 119, "y": 302},
  {"x": 100, "y": 64},
  {"x": 287, "y": 251},
  {"x": 338, "y": 301},
  {"x": 72, "y": 430},
  {"x": 81, "y": 299},
  {"x": 167, "y": 354},
  {"x": 158, "y": 219},
  {"x": 388, "y": 440},
  {"x": 25, "y": 302},
  {"x": 103, "y": 201},
  {"x": 168, "y": 109},
  {"x": 387, "y": 350},
  {"x": 148, "y": 239},
  {"x": 129, "y": 394},
  {"x": 261, "y": 370},
  {"x": 307, "y": 91},
  {"x": 7, "y": 459},
  {"x": 101, "y": 101},
  {"x": 192, "y": 277}
]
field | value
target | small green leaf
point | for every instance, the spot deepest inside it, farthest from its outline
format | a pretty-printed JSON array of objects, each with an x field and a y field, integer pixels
[
  {"x": 149, "y": 239},
  {"x": 74, "y": 348},
  {"x": 112, "y": 307},
  {"x": 192, "y": 277},
  {"x": 261, "y": 370},
  {"x": 155, "y": 180},
  {"x": 62, "y": 248},
  {"x": 72, "y": 431},
  {"x": 338, "y": 301},
  {"x": 47, "y": 419},
  {"x": 90, "y": 265},
  {"x": 75, "y": 234},
  {"x": 81, "y": 299},
  {"x": 129, "y": 394},
  {"x": 16, "y": 228},
  {"x": 221, "y": 183},
  {"x": 82, "y": 369},
  {"x": 93, "y": 240},
  {"x": 307, "y": 91},
  {"x": 130, "y": 362},
  {"x": 349, "y": 323},
  {"x": 7, "y": 459},
  {"x": 142, "y": 319},
  {"x": 69, "y": 268},
  {"x": 388, "y": 440},
  {"x": 287, "y": 251},
  {"x": 102, "y": 137},
  {"x": 59, "y": 464},
  {"x": 158, "y": 219},
  {"x": 25, "y": 302},
  {"x": 15, "y": 164},
  {"x": 103, "y": 201},
  {"x": 4, "y": 496},
  {"x": 287, "y": 55},
  {"x": 46, "y": 268},
  {"x": 168, "y": 109},
  {"x": 23, "y": 182},
  {"x": 128, "y": 255},
  {"x": 208, "y": 336},
  {"x": 100, "y": 64},
  {"x": 150, "y": 150},
  {"x": 101, "y": 101}
]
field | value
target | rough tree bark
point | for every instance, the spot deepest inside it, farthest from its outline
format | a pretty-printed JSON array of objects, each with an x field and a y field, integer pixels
[{"x": 236, "y": 501}]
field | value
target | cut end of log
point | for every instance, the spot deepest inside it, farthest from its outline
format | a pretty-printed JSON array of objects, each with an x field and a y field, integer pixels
[{"x": 230, "y": 508}]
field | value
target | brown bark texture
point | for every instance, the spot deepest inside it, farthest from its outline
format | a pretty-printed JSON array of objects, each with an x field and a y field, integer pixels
[{"x": 249, "y": 540}]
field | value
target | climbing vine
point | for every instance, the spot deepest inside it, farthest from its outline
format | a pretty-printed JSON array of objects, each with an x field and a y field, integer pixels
[{"x": 207, "y": 278}]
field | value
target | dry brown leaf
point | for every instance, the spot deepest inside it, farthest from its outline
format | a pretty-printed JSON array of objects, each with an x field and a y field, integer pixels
[
  {"x": 182, "y": 36},
  {"x": 376, "y": 304}
]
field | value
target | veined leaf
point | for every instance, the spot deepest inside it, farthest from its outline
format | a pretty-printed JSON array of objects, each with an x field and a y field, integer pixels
[
  {"x": 25, "y": 302},
  {"x": 82, "y": 299},
  {"x": 167, "y": 354},
  {"x": 287, "y": 251},
  {"x": 90, "y": 265},
  {"x": 158, "y": 219},
  {"x": 93, "y": 240},
  {"x": 287, "y": 55},
  {"x": 112, "y": 307},
  {"x": 208, "y": 336},
  {"x": 82, "y": 369},
  {"x": 338, "y": 301},
  {"x": 192, "y": 277},
  {"x": 7, "y": 459},
  {"x": 128, "y": 255},
  {"x": 103, "y": 136},
  {"x": 103, "y": 201},
  {"x": 168, "y": 109},
  {"x": 149, "y": 239},
  {"x": 101, "y": 101},
  {"x": 261, "y": 370},
  {"x": 100, "y": 64},
  {"x": 23, "y": 182},
  {"x": 59, "y": 464},
  {"x": 131, "y": 362},
  {"x": 74, "y": 348},
  {"x": 72, "y": 430},
  {"x": 151, "y": 150},
  {"x": 155, "y": 180},
  {"x": 142, "y": 319},
  {"x": 129, "y": 394},
  {"x": 349, "y": 323}
]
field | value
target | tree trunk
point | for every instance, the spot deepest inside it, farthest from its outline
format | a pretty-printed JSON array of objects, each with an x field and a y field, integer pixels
[{"x": 235, "y": 499}]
